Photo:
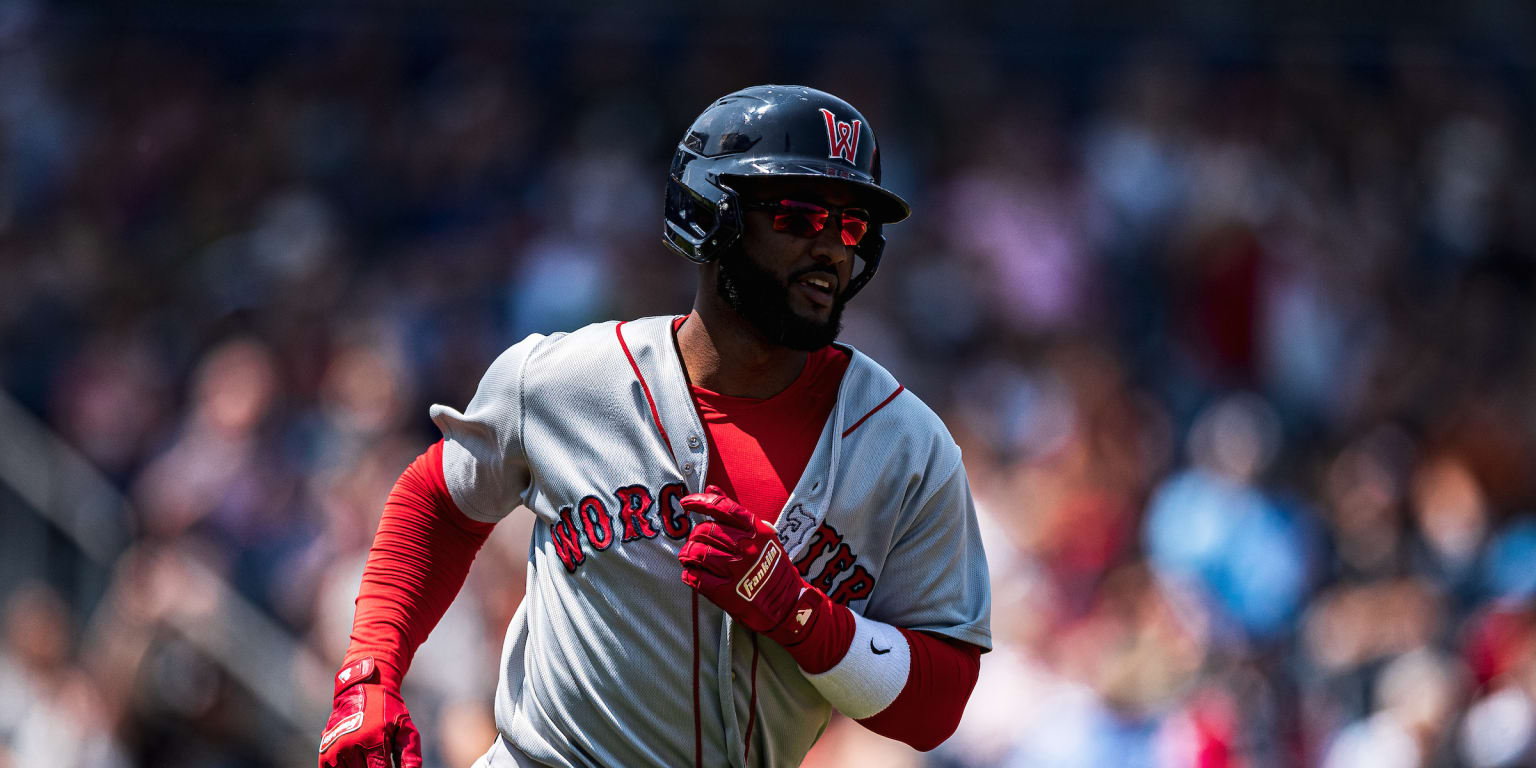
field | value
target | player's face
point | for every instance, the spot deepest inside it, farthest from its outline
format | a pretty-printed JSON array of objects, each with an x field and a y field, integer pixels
[{"x": 789, "y": 282}]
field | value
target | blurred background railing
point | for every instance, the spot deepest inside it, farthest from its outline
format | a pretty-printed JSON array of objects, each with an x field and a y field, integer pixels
[
  {"x": 66, "y": 524},
  {"x": 1231, "y": 307}
]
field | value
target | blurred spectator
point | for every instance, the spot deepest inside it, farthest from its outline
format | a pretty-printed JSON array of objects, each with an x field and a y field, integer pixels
[
  {"x": 1416, "y": 693},
  {"x": 50, "y": 711},
  {"x": 1212, "y": 527}
]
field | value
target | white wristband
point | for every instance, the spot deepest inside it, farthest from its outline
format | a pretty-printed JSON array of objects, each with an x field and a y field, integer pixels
[{"x": 872, "y": 673}]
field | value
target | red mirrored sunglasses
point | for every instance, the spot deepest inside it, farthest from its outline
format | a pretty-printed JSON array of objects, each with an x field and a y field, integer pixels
[{"x": 798, "y": 217}]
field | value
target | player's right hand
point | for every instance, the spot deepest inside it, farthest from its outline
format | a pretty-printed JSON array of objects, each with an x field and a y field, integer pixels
[{"x": 369, "y": 725}]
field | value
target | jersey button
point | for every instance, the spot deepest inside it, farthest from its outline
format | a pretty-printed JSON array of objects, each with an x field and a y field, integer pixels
[
  {"x": 688, "y": 468},
  {"x": 693, "y": 441}
]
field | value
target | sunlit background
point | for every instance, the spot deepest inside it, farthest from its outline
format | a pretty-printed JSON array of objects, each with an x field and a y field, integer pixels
[{"x": 1230, "y": 308}]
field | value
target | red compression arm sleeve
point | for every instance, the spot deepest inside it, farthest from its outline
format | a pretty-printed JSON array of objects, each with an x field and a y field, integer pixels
[
  {"x": 939, "y": 682},
  {"x": 420, "y": 557}
]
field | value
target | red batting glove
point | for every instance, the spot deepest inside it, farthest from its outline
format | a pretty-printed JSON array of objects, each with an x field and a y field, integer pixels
[
  {"x": 736, "y": 560},
  {"x": 369, "y": 725}
]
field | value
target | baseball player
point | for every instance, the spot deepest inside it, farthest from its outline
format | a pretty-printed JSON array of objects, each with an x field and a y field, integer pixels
[{"x": 741, "y": 525}]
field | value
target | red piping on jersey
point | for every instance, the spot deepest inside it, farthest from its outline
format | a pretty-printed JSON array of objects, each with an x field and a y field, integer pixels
[
  {"x": 655, "y": 416},
  {"x": 698, "y": 725},
  {"x": 746, "y": 757},
  {"x": 856, "y": 424}
]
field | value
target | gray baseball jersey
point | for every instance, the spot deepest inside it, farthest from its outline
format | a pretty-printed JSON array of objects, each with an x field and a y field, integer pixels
[{"x": 612, "y": 660}]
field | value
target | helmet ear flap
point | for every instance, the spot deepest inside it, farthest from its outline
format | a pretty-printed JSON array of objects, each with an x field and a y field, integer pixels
[
  {"x": 869, "y": 251},
  {"x": 697, "y": 228}
]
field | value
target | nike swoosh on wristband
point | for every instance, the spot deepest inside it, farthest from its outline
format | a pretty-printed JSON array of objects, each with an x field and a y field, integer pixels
[{"x": 877, "y": 651}]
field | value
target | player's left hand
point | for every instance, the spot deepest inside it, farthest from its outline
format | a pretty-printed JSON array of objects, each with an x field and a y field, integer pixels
[{"x": 735, "y": 559}]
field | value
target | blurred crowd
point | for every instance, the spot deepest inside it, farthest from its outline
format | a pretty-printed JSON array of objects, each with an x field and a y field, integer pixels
[{"x": 1239, "y": 348}]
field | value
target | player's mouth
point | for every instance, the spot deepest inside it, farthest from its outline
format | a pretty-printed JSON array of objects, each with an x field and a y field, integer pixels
[{"x": 817, "y": 287}]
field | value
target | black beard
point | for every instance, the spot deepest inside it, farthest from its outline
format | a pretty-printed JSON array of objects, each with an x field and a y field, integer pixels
[{"x": 763, "y": 302}]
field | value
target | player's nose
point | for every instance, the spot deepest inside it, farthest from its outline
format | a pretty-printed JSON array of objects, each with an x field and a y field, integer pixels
[{"x": 827, "y": 247}]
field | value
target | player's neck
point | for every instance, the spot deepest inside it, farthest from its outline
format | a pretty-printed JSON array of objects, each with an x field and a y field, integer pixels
[{"x": 723, "y": 354}]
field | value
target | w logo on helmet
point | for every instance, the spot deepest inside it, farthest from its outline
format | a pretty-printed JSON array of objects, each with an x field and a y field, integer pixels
[{"x": 842, "y": 138}]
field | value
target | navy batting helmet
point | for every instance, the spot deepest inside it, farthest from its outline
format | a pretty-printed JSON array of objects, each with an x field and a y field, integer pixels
[{"x": 772, "y": 131}]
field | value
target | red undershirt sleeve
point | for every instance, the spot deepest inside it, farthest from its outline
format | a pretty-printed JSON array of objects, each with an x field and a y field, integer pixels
[
  {"x": 420, "y": 557},
  {"x": 941, "y": 672},
  {"x": 939, "y": 683}
]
